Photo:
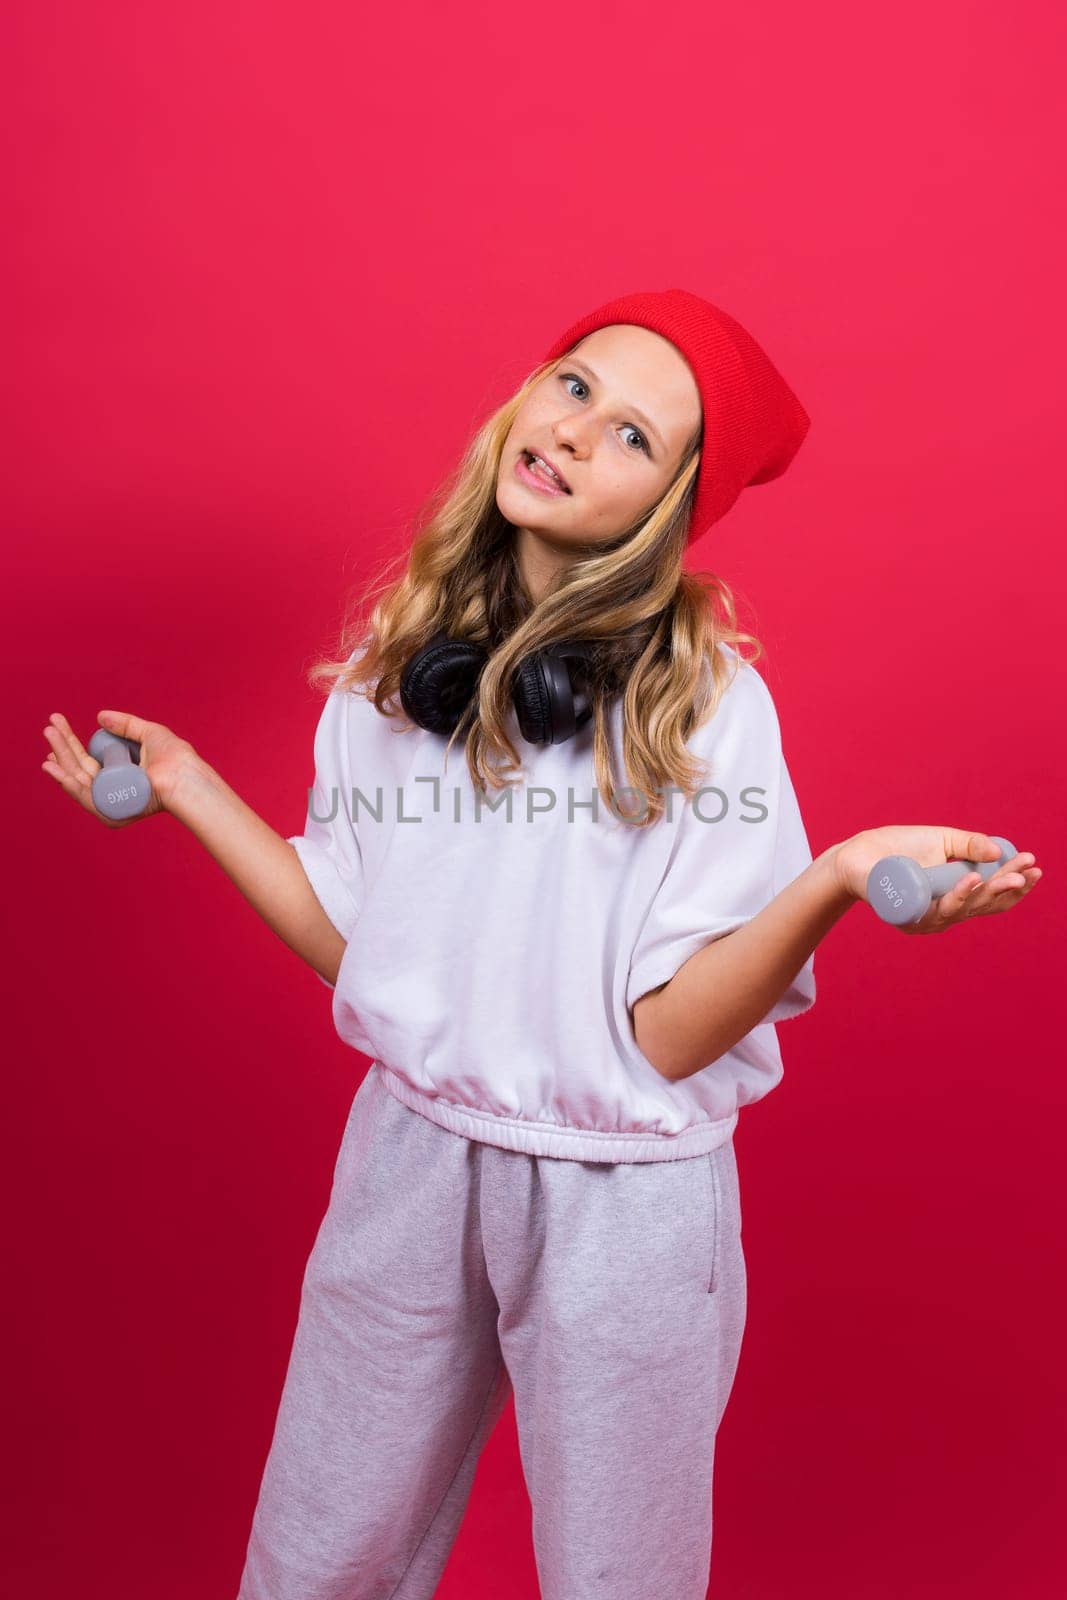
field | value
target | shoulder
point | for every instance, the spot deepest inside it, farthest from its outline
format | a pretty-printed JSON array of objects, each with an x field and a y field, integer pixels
[{"x": 738, "y": 706}]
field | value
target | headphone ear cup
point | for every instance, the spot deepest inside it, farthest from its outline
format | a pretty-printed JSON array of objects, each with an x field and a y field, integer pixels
[
  {"x": 549, "y": 707},
  {"x": 439, "y": 682},
  {"x": 532, "y": 700}
]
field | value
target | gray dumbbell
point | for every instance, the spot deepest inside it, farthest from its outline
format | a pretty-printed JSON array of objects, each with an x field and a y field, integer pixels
[
  {"x": 901, "y": 891},
  {"x": 120, "y": 788}
]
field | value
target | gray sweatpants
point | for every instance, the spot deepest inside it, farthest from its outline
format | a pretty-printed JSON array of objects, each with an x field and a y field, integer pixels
[{"x": 447, "y": 1271}]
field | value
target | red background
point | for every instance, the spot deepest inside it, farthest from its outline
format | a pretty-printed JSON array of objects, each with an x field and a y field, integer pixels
[{"x": 269, "y": 266}]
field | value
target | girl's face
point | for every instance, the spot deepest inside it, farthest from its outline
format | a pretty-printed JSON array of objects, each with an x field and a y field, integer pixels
[{"x": 613, "y": 420}]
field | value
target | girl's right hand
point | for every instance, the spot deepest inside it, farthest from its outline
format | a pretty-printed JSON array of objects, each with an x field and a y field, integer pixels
[{"x": 163, "y": 757}]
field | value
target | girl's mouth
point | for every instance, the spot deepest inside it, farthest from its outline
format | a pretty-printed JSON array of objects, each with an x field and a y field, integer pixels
[{"x": 537, "y": 477}]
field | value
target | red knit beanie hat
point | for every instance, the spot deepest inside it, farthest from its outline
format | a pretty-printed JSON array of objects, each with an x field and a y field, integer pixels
[{"x": 753, "y": 422}]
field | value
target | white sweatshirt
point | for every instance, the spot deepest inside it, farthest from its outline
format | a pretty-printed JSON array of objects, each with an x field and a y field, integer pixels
[{"x": 492, "y": 958}]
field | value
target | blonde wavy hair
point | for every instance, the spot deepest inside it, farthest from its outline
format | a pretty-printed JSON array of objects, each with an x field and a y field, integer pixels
[{"x": 655, "y": 626}]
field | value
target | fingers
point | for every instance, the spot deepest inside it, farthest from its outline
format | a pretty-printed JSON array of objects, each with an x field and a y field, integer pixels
[
  {"x": 68, "y": 753},
  {"x": 68, "y": 762},
  {"x": 972, "y": 896},
  {"x": 1016, "y": 879},
  {"x": 961, "y": 846},
  {"x": 67, "y": 747},
  {"x": 962, "y": 891},
  {"x": 1002, "y": 892},
  {"x": 124, "y": 723},
  {"x": 1011, "y": 875}
]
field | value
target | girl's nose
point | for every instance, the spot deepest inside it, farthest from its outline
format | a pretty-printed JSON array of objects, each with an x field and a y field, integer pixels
[{"x": 575, "y": 434}]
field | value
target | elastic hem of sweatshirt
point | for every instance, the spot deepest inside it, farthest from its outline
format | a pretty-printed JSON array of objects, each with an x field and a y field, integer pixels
[{"x": 543, "y": 1139}]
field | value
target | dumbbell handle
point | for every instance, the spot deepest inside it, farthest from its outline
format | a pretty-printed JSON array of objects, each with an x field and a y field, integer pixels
[
  {"x": 121, "y": 788},
  {"x": 900, "y": 891}
]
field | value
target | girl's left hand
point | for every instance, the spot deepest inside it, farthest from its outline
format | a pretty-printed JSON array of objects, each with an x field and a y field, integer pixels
[{"x": 932, "y": 847}]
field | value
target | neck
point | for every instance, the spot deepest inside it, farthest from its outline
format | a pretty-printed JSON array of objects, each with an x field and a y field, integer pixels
[{"x": 539, "y": 564}]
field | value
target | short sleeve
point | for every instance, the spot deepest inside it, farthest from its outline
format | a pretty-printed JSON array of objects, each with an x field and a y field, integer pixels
[
  {"x": 329, "y": 847},
  {"x": 737, "y": 844}
]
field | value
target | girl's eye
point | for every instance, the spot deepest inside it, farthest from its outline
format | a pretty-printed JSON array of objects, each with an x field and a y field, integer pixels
[
  {"x": 644, "y": 442},
  {"x": 572, "y": 377}
]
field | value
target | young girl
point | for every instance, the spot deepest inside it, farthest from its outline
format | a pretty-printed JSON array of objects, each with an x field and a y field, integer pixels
[{"x": 536, "y": 1190}]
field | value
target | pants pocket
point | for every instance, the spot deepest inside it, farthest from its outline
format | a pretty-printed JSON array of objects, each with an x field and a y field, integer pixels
[{"x": 713, "y": 1168}]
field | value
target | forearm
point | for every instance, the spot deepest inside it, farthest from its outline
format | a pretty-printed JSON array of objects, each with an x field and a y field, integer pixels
[
  {"x": 728, "y": 987},
  {"x": 263, "y": 865}
]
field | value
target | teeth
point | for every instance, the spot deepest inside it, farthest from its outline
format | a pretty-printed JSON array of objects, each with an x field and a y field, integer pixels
[{"x": 545, "y": 468}]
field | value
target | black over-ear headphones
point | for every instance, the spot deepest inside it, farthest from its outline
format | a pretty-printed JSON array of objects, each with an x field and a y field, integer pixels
[{"x": 440, "y": 680}]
